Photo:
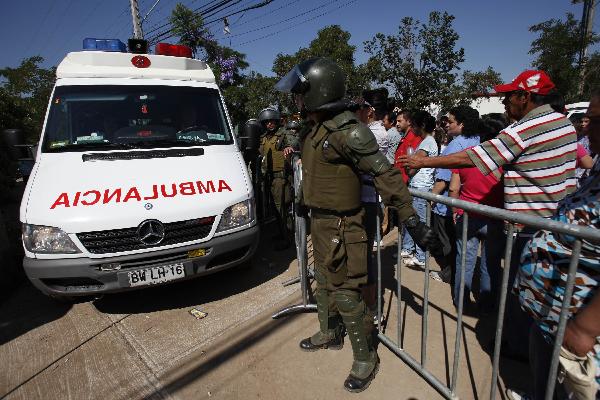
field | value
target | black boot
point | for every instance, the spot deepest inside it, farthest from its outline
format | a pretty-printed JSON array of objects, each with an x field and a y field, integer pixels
[
  {"x": 330, "y": 335},
  {"x": 322, "y": 340},
  {"x": 366, "y": 362},
  {"x": 360, "y": 378}
]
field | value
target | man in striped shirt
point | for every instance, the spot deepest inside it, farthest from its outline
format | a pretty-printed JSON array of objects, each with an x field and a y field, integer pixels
[{"x": 537, "y": 154}]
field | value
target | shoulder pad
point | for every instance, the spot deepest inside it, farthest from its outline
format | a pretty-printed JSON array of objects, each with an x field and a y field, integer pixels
[
  {"x": 340, "y": 120},
  {"x": 361, "y": 140}
]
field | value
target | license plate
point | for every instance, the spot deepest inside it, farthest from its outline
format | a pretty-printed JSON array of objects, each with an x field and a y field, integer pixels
[{"x": 155, "y": 275}]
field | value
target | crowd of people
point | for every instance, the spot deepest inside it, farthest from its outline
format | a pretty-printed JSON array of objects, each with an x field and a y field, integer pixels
[{"x": 361, "y": 152}]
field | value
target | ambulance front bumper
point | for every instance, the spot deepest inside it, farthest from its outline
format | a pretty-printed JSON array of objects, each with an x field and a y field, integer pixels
[{"x": 88, "y": 276}]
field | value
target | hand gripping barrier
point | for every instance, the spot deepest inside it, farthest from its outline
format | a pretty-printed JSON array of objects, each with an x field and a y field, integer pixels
[
  {"x": 512, "y": 218},
  {"x": 301, "y": 248}
]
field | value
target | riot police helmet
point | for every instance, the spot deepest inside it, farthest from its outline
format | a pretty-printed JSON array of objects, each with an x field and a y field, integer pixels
[
  {"x": 267, "y": 115},
  {"x": 293, "y": 125},
  {"x": 320, "y": 81}
]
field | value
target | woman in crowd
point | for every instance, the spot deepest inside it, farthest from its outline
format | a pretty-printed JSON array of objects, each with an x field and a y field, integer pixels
[{"x": 471, "y": 185}]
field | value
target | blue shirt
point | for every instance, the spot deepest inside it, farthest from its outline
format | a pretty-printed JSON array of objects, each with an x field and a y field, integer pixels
[{"x": 457, "y": 144}]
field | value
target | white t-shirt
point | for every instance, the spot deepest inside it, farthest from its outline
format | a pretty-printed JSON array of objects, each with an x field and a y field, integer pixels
[
  {"x": 423, "y": 179},
  {"x": 368, "y": 192}
]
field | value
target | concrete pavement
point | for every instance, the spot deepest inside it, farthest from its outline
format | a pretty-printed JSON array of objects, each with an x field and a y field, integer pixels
[{"x": 145, "y": 344}]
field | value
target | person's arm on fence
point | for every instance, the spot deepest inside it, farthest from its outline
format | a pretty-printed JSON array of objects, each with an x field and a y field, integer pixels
[
  {"x": 456, "y": 160},
  {"x": 582, "y": 330}
]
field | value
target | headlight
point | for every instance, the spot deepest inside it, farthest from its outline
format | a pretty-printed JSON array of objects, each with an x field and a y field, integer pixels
[
  {"x": 48, "y": 240},
  {"x": 237, "y": 215}
]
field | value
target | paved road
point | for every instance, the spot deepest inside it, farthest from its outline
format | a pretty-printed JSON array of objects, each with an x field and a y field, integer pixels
[{"x": 117, "y": 346}]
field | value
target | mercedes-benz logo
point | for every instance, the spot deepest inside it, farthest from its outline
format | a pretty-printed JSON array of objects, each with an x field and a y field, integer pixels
[{"x": 151, "y": 232}]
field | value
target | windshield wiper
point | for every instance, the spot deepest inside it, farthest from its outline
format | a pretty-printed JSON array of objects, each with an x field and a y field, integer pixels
[{"x": 91, "y": 146}]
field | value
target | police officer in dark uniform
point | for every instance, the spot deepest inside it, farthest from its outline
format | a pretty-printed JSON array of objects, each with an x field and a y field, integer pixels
[
  {"x": 335, "y": 152},
  {"x": 273, "y": 144}
]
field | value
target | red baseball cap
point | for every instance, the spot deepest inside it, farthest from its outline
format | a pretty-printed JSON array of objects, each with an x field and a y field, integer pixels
[{"x": 529, "y": 81}]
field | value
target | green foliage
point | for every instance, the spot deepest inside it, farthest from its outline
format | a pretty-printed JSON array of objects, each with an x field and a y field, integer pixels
[
  {"x": 331, "y": 42},
  {"x": 473, "y": 84},
  {"x": 225, "y": 62},
  {"x": 24, "y": 95},
  {"x": 245, "y": 100},
  {"x": 556, "y": 50},
  {"x": 189, "y": 27},
  {"x": 420, "y": 62}
]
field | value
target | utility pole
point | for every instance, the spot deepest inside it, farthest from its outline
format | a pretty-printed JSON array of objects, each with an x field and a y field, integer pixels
[
  {"x": 135, "y": 15},
  {"x": 587, "y": 20}
]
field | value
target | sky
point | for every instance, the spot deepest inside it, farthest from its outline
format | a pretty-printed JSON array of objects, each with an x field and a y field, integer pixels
[{"x": 493, "y": 33}]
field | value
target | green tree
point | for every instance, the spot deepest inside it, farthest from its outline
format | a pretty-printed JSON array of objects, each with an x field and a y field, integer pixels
[
  {"x": 246, "y": 99},
  {"x": 556, "y": 50},
  {"x": 474, "y": 84},
  {"x": 226, "y": 63},
  {"x": 24, "y": 94},
  {"x": 331, "y": 42},
  {"x": 420, "y": 62}
]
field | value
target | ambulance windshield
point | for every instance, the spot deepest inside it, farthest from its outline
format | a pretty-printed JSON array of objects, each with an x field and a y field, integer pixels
[{"x": 122, "y": 116}]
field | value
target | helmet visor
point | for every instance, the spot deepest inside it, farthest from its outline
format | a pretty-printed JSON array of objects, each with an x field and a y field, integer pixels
[{"x": 293, "y": 82}]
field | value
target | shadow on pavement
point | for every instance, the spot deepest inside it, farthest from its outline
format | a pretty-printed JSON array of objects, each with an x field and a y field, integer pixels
[
  {"x": 27, "y": 309},
  {"x": 196, "y": 368}
]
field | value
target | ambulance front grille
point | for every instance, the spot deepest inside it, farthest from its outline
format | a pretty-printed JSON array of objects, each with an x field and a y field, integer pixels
[{"x": 120, "y": 240}]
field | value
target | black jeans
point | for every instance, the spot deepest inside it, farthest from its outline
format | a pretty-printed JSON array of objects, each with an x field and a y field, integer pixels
[{"x": 540, "y": 357}]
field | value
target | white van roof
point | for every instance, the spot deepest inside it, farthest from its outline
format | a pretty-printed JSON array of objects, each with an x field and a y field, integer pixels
[{"x": 100, "y": 64}]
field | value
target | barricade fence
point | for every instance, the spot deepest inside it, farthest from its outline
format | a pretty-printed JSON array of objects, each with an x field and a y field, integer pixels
[{"x": 511, "y": 221}]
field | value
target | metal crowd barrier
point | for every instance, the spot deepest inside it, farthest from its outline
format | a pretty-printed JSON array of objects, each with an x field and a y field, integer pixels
[
  {"x": 301, "y": 237},
  {"x": 420, "y": 366},
  {"x": 511, "y": 218}
]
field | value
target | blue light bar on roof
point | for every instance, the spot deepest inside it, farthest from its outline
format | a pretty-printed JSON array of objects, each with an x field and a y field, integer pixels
[{"x": 104, "y": 45}]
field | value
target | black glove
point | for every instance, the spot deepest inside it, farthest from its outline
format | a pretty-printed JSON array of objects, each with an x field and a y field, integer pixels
[{"x": 423, "y": 235}]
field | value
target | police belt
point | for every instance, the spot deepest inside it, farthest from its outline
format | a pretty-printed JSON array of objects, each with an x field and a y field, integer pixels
[
  {"x": 279, "y": 174},
  {"x": 324, "y": 213}
]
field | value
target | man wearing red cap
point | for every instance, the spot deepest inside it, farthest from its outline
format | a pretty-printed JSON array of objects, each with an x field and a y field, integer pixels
[{"x": 537, "y": 153}]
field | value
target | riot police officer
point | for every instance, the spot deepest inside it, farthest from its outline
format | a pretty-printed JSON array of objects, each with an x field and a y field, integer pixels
[
  {"x": 273, "y": 144},
  {"x": 335, "y": 152}
]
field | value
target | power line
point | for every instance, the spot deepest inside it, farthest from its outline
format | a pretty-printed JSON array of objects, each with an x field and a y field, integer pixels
[
  {"x": 165, "y": 18},
  {"x": 199, "y": 10},
  {"x": 37, "y": 31},
  {"x": 58, "y": 24},
  {"x": 167, "y": 34},
  {"x": 265, "y": 14},
  {"x": 279, "y": 22},
  {"x": 292, "y": 27}
]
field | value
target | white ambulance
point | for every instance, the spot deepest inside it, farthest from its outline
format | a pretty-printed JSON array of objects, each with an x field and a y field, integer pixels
[{"x": 138, "y": 178}]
